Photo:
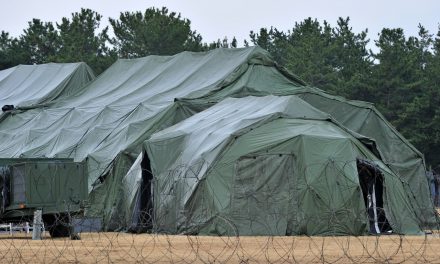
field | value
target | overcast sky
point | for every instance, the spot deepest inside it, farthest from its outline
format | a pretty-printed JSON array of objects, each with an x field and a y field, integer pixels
[{"x": 217, "y": 19}]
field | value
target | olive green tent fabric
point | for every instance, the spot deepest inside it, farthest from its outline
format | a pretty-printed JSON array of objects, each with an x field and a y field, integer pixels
[
  {"x": 266, "y": 166},
  {"x": 399, "y": 154},
  {"x": 30, "y": 85},
  {"x": 362, "y": 117},
  {"x": 124, "y": 105},
  {"x": 107, "y": 121}
]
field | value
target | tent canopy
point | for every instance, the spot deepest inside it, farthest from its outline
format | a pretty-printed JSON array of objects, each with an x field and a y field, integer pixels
[
  {"x": 107, "y": 121},
  {"x": 266, "y": 166},
  {"x": 30, "y": 85},
  {"x": 122, "y": 107}
]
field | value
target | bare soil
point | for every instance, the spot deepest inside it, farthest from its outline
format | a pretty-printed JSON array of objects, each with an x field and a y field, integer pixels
[{"x": 147, "y": 248}]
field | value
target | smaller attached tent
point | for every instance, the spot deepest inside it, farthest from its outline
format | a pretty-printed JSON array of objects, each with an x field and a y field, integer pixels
[
  {"x": 30, "y": 85},
  {"x": 272, "y": 166}
]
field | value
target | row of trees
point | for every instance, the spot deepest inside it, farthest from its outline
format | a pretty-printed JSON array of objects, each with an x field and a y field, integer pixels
[
  {"x": 71, "y": 40},
  {"x": 402, "y": 78},
  {"x": 80, "y": 38}
]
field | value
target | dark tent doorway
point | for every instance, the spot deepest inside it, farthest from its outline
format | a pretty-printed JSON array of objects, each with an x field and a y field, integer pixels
[
  {"x": 143, "y": 208},
  {"x": 371, "y": 181}
]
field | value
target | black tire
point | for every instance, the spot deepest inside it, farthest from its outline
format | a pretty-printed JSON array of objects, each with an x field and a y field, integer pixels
[
  {"x": 59, "y": 231},
  {"x": 57, "y": 225}
]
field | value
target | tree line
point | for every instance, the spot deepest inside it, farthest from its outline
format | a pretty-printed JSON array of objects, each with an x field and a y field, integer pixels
[{"x": 402, "y": 77}]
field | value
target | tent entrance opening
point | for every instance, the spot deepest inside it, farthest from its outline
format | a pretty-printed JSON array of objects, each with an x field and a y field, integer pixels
[{"x": 371, "y": 181}]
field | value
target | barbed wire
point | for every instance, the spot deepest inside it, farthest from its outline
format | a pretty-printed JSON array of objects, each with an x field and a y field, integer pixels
[
  {"x": 153, "y": 248},
  {"x": 173, "y": 228}
]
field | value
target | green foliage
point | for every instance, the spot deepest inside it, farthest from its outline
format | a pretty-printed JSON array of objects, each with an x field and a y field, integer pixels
[
  {"x": 40, "y": 41},
  {"x": 419, "y": 120},
  {"x": 390, "y": 71},
  {"x": 79, "y": 42},
  {"x": 72, "y": 40},
  {"x": 273, "y": 41},
  {"x": 310, "y": 53},
  {"x": 352, "y": 60},
  {"x": 153, "y": 32},
  {"x": 420, "y": 123},
  {"x": 221, "y": 44},
  {"x": 334, "y": 59},
  {"x": 11, "y": 52}
]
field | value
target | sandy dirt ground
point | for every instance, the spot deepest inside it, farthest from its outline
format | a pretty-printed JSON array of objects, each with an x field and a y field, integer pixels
[{"x": 146, "y": 248}]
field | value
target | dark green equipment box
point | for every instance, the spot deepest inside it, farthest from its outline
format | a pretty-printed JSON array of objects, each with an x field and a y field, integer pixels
[{"x": 57, "y": 186}]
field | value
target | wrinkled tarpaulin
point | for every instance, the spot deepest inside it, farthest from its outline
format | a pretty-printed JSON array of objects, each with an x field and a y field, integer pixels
[
  {"x": 26, "y": 86},
  {"x": 109, "y": 119},
  {"x": 266, "y": 166}
]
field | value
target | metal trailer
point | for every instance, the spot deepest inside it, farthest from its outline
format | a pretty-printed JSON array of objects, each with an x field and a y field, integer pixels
[{"x": 56, "y": 186}]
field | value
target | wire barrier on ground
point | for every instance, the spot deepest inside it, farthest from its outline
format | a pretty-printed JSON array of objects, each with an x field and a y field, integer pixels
[
  {"x": 100, "y": 247},
  {"x": 323, "y": 213}
]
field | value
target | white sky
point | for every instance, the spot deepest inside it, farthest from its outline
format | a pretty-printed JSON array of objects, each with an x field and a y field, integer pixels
[{"x": 217, "y": 19}]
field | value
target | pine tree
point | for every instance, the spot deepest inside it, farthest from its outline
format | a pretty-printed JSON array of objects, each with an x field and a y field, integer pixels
[{"x": 156, "y": 31}]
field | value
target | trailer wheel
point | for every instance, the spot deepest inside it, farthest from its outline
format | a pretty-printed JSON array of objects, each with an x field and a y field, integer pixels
[
  {"x": 59, "y": 231},
  {"x": 57, "y": 225}
]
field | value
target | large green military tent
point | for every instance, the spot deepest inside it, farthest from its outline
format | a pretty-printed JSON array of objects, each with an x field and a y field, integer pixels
[
  {"x": 106, "y": 122},
  {"x": 31, "y": 85},
  {"x": 272, "y": 166}
]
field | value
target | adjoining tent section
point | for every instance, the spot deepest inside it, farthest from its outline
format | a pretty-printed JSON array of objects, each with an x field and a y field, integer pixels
[
  {"x": 107, "y": 121},
  {"x": 272, "y": 166},
  {"x": 362, "y": 117},
  {"x": 26, "y": 86},
  {"x": 397, "y": 152}
]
